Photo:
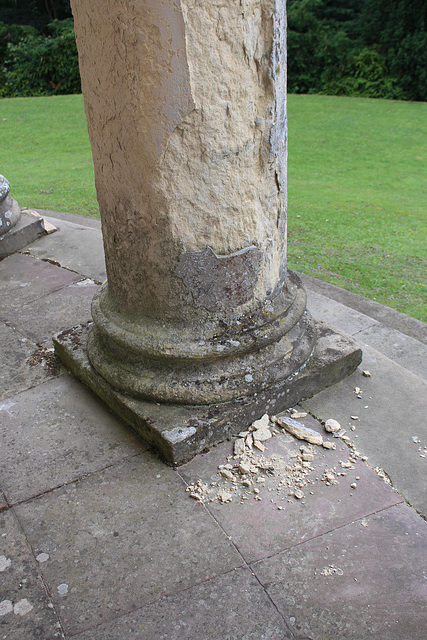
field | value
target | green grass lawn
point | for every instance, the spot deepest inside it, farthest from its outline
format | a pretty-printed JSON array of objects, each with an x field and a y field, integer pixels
[
  {"x": 46, "y": 154},
  {"x": 358, "y": 196},
  {"x": 357, "y": 185}
]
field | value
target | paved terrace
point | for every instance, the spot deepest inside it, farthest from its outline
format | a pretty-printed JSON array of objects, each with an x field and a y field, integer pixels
[{"x": 101, "y": 541}]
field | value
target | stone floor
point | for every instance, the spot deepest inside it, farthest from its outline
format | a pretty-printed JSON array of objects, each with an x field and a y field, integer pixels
[{"x": 101, "y": 541}]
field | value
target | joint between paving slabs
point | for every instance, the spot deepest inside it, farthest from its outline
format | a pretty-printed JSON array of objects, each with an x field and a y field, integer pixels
[
  {"x": 40, "y": 574},
  {"x": 73, "y": 481}
]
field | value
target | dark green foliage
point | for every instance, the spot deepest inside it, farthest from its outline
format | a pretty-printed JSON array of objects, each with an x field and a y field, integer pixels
[
  {"x": 37, "y": 13},
  {"x": 368, "y": 48},
  {"x": 43, "y": 64},
  {"x": 400, "y": 30}
]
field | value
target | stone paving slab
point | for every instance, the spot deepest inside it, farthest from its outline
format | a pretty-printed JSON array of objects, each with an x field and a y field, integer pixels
[
  {"x": 337, "y": 314},
  {"x": 3, "y": 503},
  {"x": 323, "y": 508},
  {"x": 377, "y": 587},
  {"x": 55, "y": 433},
  {"x": 396, "y": 412},
  {"x": 387, "y": 316},
  {"x": 122, "y": 538},
  {"x": 233, "y": 607},
  {"x": 22, "y": 363},
  {"x": 24, "y": 279},
  {"x": 25, "y": 609},
  {"x": 402, "y": 349},
  {"x": 42, "y": 318},
  {"x": 74, "y": 245}
]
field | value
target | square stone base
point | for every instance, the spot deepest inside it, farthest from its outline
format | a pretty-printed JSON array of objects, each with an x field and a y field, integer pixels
[
  {"x": 179, "y": 432},
  {"x": 29, "y": 227}
]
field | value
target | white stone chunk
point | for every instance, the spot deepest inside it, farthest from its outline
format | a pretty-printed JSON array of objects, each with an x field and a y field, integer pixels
[
  {"x": 332, "y": 426},
  {"x": 298, "y": 430}
]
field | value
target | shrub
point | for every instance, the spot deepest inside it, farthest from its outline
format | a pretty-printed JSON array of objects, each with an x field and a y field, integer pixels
[{"x": 43, "y": 65}]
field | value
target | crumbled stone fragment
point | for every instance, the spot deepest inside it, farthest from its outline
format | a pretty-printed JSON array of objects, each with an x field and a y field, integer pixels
[
  {"x": 346, "y": 465},
  {"x": 262, "y": 423},
  {"x": 307, "y": 457},
  {"x": 261, "y": 435},
  {"x": 298, "y": 430},
  {"x": 223, "y": 496},
  {"x": 353, "y": 485},
  {"x": 355, "y": 417},
  {"x": 298, "y": 414},
  {"x": 327, "y": 444},
  {"x": 256, "y": 490},
  {"x": 225, "y": 473},
  {"x": 245, "y": 468},
  {"x": 332, "y": 426},
  {"x": 330, "y": 570},
  {"x": 299, "y": 495},
  {"x": 239, "y": 447},
  {"x": 329, "y": 477},
  {"x": 366, "y": 374},
  {"x": 249, "y": 441},
  {"x": 258, "y": 445}
]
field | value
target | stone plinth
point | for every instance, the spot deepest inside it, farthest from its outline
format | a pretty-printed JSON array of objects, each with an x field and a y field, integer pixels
[
  {"x": 186, "y": 110},
  {"x": 17, "y": 228}
]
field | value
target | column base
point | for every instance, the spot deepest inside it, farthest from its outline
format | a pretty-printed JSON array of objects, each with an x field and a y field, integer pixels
[{"x": 178, "y": 431}]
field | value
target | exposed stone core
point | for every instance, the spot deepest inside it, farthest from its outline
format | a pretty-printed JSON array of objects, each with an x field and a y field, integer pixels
[{"x": 186, "y": 109}]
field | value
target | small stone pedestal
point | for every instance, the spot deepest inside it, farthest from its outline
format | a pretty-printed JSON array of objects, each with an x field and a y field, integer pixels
[
  {"x": 200, "y": 327},
  {"x": 17, "y": 228}
]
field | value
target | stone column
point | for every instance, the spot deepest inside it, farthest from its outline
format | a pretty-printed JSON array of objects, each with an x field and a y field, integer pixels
[{"x": 186, "y": 109}]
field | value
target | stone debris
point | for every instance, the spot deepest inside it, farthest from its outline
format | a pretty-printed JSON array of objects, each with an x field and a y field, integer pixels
[
  {"x": 223, "y": 496},
  {"x": 247, "y": 468},
  {"x": 329, "y": 477},
  {"x": 297, "y": 414},
  {"x": 239, "y": 447},
  {"x": 327, "y": 444},
  {"x": 366, "y": 374},
  {"x": 261, "y": 435},
  {"x": 332, "y": 426},
  {"x": 382, "y": 474},
  {"x": 298, "y": 430},
  {"x": 331, "y": 570}
]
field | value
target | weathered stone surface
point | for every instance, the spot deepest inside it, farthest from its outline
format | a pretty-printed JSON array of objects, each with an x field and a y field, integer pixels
[
  {"x": 121, "y": 539},
  {"x": 200, "y": 162},
  {"x": 204, "y": 611},
  {"x": 25, "y": 609},
  {"x": 64, "y": 433},
  {"x": 361, "y": 581}
]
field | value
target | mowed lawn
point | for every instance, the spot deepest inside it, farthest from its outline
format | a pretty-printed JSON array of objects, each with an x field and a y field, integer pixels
[{"x": 357, "y": 185}]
